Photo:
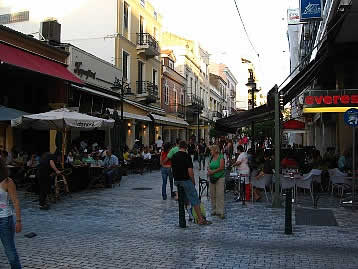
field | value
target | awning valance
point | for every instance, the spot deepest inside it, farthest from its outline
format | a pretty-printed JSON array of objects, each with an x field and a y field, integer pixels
[
  {"x": 294, "y": 125},
  {"x": 96, "y": 92},
  {"x": 169, "y": 121},
  {"x": 8, "y": 114},
  {"x": 245, "y": 118},
  {"x": 24, "y": 59},
  {"x": 129, "y": 116}
]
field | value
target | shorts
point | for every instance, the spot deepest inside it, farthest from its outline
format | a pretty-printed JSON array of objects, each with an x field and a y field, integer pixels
[{"x": 190, "y": 191}]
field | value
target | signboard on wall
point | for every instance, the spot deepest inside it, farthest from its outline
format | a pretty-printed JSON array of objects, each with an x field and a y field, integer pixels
[
  {"x": 310, "y": 9},
  {"x": 318, "y": 101},
  {"x": 293, "y": 16},
  {"x": 91, "y": 69},
  {"x": 14, "y": 17}
]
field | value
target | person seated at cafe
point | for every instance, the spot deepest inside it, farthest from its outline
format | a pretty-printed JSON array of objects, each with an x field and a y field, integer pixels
[
  {"x": 267, "y": 170},
  {"x": 87, "y": 159},
  {"x": 110, "y": 164},
  {"x": 289, "y": 161},
  {"x": 126, "y": 155},
  {"x": 97, "y": 160},
  {"x": 344, "y": 161},
  {"x": 33, "y": 162},
  {"x": 5, "y": 157},
  {"x": 146, "y": 154}
]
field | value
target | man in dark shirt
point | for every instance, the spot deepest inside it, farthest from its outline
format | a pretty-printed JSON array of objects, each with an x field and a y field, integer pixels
[
  {"x": 183, "y": 174},
  {"x": 201, "y": 154},
  {"x": 46, "y": 166},
  {"x": 191, "y": 149}
]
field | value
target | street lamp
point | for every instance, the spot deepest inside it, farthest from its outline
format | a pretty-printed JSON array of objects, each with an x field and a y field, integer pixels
[
  {"x": 123, "y": 88},
  {"x": 251, "y": 83}
]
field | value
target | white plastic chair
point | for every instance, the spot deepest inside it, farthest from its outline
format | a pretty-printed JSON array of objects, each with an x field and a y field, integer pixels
[
  {"x": 305, "y": 183},
  {"x": 339, "y": 181},
  {"x": 261, "y": 183}
]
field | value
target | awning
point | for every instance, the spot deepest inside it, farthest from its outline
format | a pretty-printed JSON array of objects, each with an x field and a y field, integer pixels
[
  {"x": 23, "y": 59},
  {"x": 8, "y": 114},
  {"x": 95, "y": 92},
  {"x": 169, "y": 121},
  {"x": 294, "y": 125},
  {"x": 129, "y": 116},
  {"x": 245, "y": 118}
]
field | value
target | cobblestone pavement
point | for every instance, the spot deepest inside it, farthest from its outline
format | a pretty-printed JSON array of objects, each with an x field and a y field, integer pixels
[{"x": 126, "y": 228}]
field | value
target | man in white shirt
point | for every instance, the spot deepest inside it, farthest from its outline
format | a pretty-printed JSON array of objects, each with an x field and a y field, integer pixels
[
  {"x": 159, "y": 143},
  {"x": 146, "y": 154}
]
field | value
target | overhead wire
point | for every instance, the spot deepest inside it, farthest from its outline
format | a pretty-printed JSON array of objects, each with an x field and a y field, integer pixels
[{"x": 247, "y": 34}]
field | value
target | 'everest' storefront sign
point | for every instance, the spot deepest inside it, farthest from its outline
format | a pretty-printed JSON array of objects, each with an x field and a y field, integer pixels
[
  {"x": 310, "y": 9},
  {"x": 318, "y": 101}
]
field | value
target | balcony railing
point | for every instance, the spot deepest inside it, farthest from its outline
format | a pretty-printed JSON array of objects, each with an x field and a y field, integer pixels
[
  {"x": 177, "y": 109},
  {"x": 195, "y": 100},
  {"x": 147, "y": 44},
  {"x": 147, "y": 91},
  {"x": 217, "y": 115}
]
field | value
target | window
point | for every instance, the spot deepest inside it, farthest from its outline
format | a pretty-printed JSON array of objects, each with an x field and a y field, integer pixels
[
  {"x": 191, "y": 85},
  {"x": 163, "y": 62},
  {"x": 142, "y": 2},
  {"x": 166, "y": 94},
  {"x": 125, "y": 15},
  {"x": 155, "y": 15},
  {"x": 171, "y": 64},
  {"x": 182, "y": 99},
  {"x": 155, "y": 77},
  {"x": 125, "y": 67},
  {"x": 175, "y": 97}
]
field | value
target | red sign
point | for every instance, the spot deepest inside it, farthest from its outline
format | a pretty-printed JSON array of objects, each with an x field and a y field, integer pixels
[{"x": 331, "y": 100}]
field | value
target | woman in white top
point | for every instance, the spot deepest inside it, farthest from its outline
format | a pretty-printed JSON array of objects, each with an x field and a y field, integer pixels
[
  {"x": 242, "y": 161},
  {"x": 7, "y": 226}
]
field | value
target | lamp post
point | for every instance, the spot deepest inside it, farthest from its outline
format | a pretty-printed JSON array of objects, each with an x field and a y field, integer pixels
[
  {"x": 252, "y": 85},
  {"x": 124, "y": 89}
]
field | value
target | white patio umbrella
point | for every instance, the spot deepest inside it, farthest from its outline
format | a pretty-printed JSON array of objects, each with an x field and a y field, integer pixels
[{"x": 61, "y": 120}]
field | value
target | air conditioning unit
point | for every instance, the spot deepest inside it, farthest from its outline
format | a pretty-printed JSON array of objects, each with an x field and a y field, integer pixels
[{"x": 51, "y": 30}]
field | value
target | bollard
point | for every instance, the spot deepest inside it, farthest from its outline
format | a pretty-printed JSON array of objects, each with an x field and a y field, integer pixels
[
  {"x": 182, "y": 221},
  {"x": 288, "y": 212},
  {"x": 243, "y": 190}
]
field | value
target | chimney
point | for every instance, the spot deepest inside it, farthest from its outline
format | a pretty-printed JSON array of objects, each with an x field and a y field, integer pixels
[{"x": 50, "y": 29}]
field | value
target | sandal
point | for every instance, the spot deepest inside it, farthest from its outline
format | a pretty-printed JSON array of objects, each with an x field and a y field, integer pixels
[{"x": 205, "y": 222}]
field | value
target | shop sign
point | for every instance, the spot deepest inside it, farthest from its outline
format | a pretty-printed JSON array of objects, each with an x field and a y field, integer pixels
[
  {"x": 91, "y": 69},
  {"x": 310, "y": 9},
  {"x": 330, "y": 101},
  {"x": 293, "y": 16}
]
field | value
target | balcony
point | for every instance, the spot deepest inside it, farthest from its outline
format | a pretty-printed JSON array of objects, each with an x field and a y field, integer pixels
[
  {"x": 147, "y": 45},
  {"x": 177, "y": 110},
  {"x": 195, "y": 102},
  {"x": 147, "y": 92},
  {"x": 217, "y": 115}
]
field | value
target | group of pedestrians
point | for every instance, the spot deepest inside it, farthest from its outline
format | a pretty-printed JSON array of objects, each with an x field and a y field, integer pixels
[{"x": 177, "y": 167}]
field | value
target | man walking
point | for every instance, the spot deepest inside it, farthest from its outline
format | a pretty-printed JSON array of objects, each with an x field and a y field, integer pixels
[
  {"x": 45, "y": 168},
  {"x": 201, "y": 154},
  {"x": 183, "y": 174}
]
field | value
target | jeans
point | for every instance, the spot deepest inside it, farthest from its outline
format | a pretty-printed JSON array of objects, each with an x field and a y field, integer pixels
[
  {"x": 7, "y": 236},
  {"x": 45, "y": 187},
  {"x": 201, "y": 159},
  {"x": 166, "y": 172},
  {"x": 109, "y": 176},
  {"x": 190, "y": 191}
]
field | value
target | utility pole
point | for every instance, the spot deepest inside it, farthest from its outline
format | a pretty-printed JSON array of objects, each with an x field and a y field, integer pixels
[{"x": 276, "y": 201}]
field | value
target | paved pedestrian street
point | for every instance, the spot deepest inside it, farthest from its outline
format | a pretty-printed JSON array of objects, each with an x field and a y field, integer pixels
[{"x": 127, "y": 228}]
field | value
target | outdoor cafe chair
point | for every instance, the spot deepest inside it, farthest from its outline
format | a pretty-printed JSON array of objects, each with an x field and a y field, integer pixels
[
  {"x": 261, "y": 183},
  {"x": 339, "y": 181},
  {"x": 305, "y": 183},
  {"x": 287, "y": 183}
]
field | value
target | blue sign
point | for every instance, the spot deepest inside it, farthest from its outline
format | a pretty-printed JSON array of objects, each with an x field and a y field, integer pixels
[
  {"x": 310, "y": 9},
  {"x": 351, "y": 117}
]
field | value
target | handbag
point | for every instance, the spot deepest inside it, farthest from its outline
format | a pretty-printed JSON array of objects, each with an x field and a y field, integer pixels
[{"x": 213, "y": 180}]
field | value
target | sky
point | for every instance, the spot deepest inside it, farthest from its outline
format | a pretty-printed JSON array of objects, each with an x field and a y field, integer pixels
[{"x": 215, "y": 24}]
